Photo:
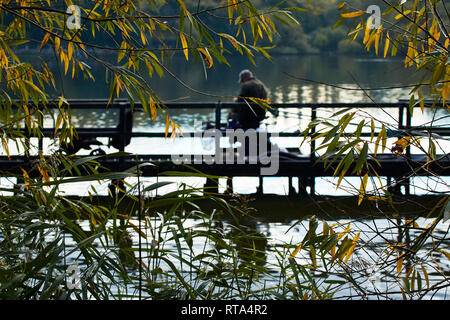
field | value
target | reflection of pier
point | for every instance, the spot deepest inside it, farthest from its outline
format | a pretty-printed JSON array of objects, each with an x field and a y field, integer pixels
[{"x": 305, "y": 167}]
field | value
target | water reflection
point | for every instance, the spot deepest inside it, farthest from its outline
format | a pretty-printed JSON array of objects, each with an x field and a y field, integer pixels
[
  {"x": 280, "y": 76},
  {"x": 251, "y": 244}
]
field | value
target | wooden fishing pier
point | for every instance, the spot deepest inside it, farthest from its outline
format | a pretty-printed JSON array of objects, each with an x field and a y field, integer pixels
[{"x": 305, "y": 167}]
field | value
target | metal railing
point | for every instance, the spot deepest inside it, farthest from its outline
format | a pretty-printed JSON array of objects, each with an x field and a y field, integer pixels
[{"x": 403, "y": 125}]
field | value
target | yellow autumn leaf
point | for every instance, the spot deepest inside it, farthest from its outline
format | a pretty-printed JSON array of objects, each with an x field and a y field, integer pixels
[
  {"x": 182, "y": 5},
  {"x": 57, "y": 43},
  {"x": 70, "y": 50},
  {"x": 399, "y": 265},
  {"x": 173, "y": 134},
  {"x": 152, "y": 109},
  {"x": 231, "y": 39},
  {"x": 341, "y": 176},
  {"x": 26, "y": 177},
  {"x": 341, "y": 5},
  {"x": 73, "y": 70},
  {"x": 179, "y": 129},
  {"x": 294, "y": 253},
  {"x": 66, "y": 66},
  {"x": 425, "y": 274},
  {"x": 118, "y": 85},
  {"x": 386, "y": 45},
  {"x": 356, "y": 31},
  {"x": 352, "y": 14},
  {"x": 143, "y": 235},
  {"x": 144, "y": 42},
  {"x": 58, "y": 123},
  {"x": 256, "y": 100},
  {"x": 230, "y": 14},
  {"x": 93, "y": 221},
  {"x": 411, "y": 269},
  {"x": 445, "y": 91},
  {"x": 372, "y": 38},
  {"x": 376, "y": 198},
  {"x": 367, "y": 31},
  {"x": 42, "y": 198},
  {"x": 206, "y": 56},
  {"x": 344, "y": 232},
  {"x": 231, "y": 5},
  {"x": 167, "y": 126},
  {"x": 401, "y": 15},
  {"x": 350, "y": 251},
  {"x": 403, "y": 142},
  {"x": 362, "y": 188},
  {"x": 35, "y": 88},
  {"x": 44, "y": 174},
  {"x": 44, "y": 40},
  {"x": 5, "y": 146},
  {"x": 377, "y": 39},
  {"x": 445, "y": 253},
  {"x": 184, "y": 45},
  {"x": 403, "y": 293}
]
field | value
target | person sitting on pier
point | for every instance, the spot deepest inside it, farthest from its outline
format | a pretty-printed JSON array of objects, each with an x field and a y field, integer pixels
[
  {"x": 249, "y": 117},
  {"x": 245, "y": 116}
]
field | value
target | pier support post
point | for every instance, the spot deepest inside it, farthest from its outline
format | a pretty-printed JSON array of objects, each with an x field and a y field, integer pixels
[
  {"x": 229, "y": 187},
  {"x": 394, "y": 186},
  {"x": 260, "y": 188},
  {"x": 302, "y": 183},
  {"x": 211, "y": 186},
  {"x": 218, "y": 115}
]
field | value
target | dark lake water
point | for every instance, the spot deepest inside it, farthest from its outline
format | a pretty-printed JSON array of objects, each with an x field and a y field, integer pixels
[{"x": 220, "y": 82}]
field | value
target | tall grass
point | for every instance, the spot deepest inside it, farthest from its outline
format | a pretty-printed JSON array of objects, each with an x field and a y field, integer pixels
[{"x": 138, "y": 246}]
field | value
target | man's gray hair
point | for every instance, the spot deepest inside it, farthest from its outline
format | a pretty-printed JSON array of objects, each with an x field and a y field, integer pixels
[{"x": 245, "y": 74}]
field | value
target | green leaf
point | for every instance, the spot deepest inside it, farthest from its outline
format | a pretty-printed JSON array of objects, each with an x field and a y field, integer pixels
[
  {"x": 411, "y": 105},
  {"x": 157, "y": 185},
  {"x": 362, "y": 158},
  {"x": 122, "y": 51},
  {"x": 362, "y": 188},
  {"x": 339, "y": 22}
]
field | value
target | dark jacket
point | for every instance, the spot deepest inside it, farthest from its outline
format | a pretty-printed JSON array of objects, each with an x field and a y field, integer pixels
[{"x": 246, "y": 116}]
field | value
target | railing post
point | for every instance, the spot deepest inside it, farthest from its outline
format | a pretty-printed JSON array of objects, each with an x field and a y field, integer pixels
[
  {"x": 211, "y": 185},
  {"x": 396, "y": 189},
  {"x": 408, "y": 149},
  {"x": 260, "y": 188},
  {"x": 312, "y": 157},
  {"x": 41, "y": 138},
  {"x": 401, "y": 111},
  {"x": 218, "y": 114},
  {"x": 123, "y": 128},
  {"x": 408, "y": 127}
]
